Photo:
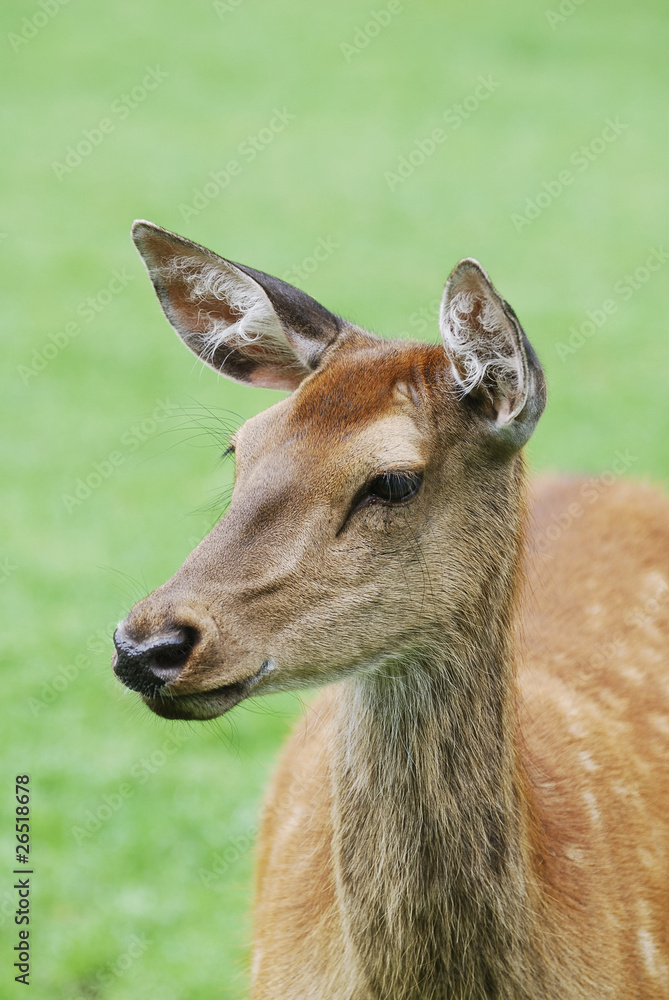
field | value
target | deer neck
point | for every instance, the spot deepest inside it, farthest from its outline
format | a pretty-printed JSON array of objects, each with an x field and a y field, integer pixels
[{"x": 430, "y": 820}]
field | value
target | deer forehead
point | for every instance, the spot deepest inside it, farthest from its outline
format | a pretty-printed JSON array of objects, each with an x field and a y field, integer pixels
[
  {"x": 362, "y": 401},
  {"x": 332, "y": 453}
]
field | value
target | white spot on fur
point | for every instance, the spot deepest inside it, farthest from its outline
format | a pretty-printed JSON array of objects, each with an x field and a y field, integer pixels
[
  {"x": 653, "y": 655},
  {"x": 613, "y": 700},
  {"x": 591, "y": 805},
  {"x": 647, "y": 948},
  {"x": 576, "y": 728},
  {"x": 587, "y": 763},
  {"x": 661, "y": 722},
  {"x": 648, "y": 945},
  {"x": 632, "y": 674},
  {"x": 656, "y": 583},
  {"x": 646, "y": 858}
]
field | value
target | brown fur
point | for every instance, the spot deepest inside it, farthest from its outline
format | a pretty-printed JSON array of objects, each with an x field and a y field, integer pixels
[
  {"x": 478, "y": 806},
  {"x": 596, "y": 916}
]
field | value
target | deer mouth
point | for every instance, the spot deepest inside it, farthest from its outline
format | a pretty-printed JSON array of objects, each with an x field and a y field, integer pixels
[{"x": 205, "y": 704}]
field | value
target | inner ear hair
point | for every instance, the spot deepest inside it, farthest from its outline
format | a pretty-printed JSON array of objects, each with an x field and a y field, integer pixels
[
  {"x": 232, "y": 310},
  {"x": 244, "y": 323},
  {"x": 482, "y": 340},
  {"x": 492, "y": 363}
]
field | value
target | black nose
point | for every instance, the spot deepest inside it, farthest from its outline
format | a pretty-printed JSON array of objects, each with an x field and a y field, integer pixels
[{"x": 147, "y": 665}]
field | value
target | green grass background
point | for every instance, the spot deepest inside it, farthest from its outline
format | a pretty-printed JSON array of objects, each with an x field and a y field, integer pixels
[{"x": 69, "y": 575}]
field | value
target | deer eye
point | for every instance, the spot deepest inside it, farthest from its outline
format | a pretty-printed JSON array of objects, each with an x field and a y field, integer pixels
[{"x": 395, "y": 487}]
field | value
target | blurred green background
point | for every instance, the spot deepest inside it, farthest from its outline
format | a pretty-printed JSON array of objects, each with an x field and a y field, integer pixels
[{"x": 142, "y": 830}]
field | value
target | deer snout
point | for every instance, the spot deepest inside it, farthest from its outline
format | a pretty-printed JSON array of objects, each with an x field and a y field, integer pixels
[
  {"x": 182, "y": 662},
  {"x": 147, "y": 664}
]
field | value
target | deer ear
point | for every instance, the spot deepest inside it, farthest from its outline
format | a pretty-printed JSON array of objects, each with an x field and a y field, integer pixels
[
  {"x": 246, "y": 324},
  {"x": 492, "y": 361}
]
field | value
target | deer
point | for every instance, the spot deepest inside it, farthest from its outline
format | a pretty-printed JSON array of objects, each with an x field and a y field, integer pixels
[{"x": 477, "y": 803}]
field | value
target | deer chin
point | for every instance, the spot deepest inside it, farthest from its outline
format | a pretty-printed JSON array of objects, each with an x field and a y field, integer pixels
[{"x": 209, "y": 704}]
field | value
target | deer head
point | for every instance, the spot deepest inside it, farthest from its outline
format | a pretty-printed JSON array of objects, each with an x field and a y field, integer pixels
[{"x": 371, "y": 508}]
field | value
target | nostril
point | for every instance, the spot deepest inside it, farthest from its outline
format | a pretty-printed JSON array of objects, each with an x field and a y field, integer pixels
[
  {"x": 167, "y": 657},
  {"x": 148, "y": 665}
]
